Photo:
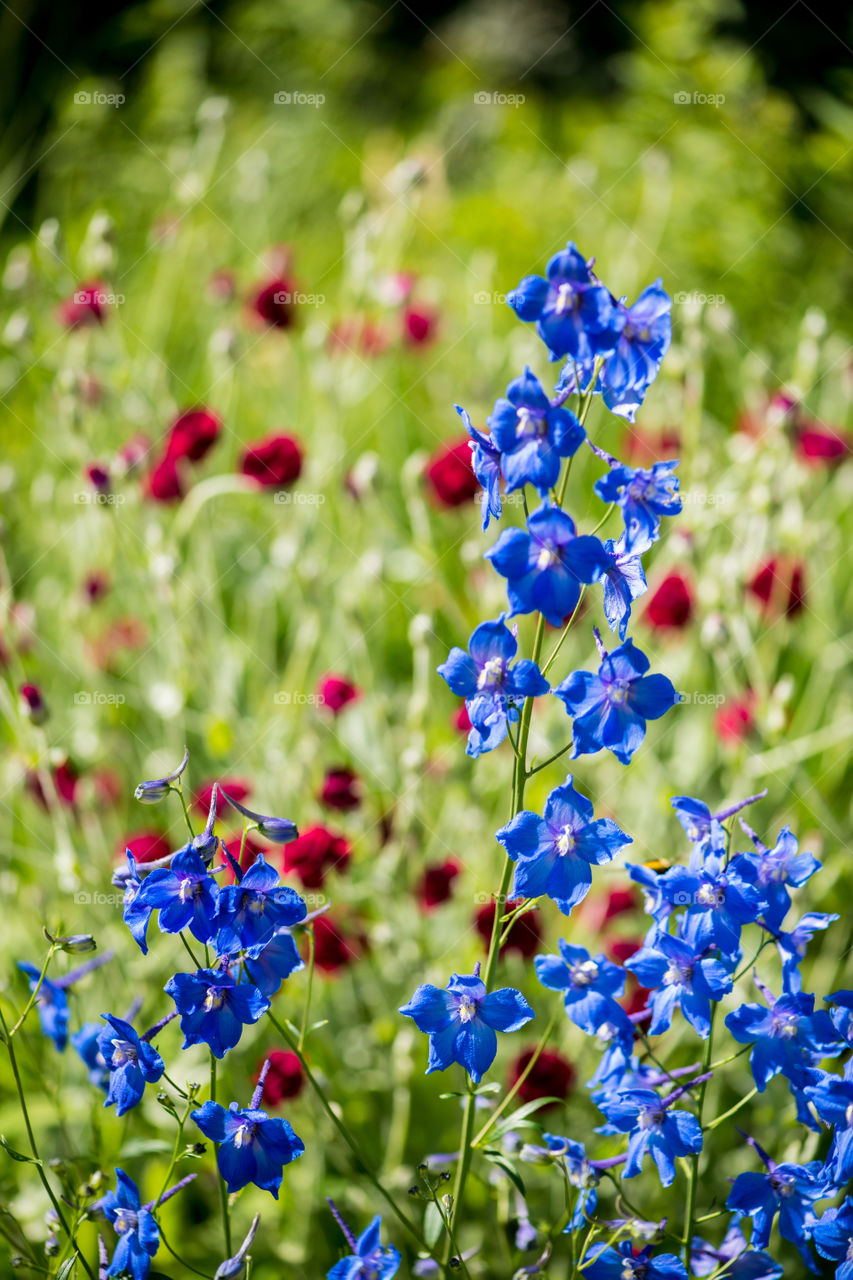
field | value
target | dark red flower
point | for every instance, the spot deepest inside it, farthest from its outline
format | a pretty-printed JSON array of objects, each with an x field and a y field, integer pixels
[
  {"x": 239, "y": 788},
  {"x": 193, "y": 434},
  {"x": 146, "y": 846},
  {"x": 33, "y": 703},
  {"x": 552, "y": 1076},
  {"x": 163, "y": 483},
  {"x": 336, "y": 692},
  {"x": 98, "y": 477},
  {"x": 65, "y": 778},
  {"x": 779, "y": 586},
  {"x": 436, "y": 884},
  {"x": 284, "y": 1078},
  {"x": 671, "y": 603},
  {"x": 419, "y": 325},
  {"x": 621, "y": 949},
  {"x": 274, "y": 302},
  {"x": 525, "y": 933},
  {"x": 620, "y": 902},
  {"x": 340, "y": 789},
  {"x": 96, "y": 585},
  {"x": 461, "y": 719},
  {"x": 736, "y": 719},
  {"x": 449, "y": 475},
  {"x": 817, "y": 445},
  {"x": 332, "y": 948},
  {"x": 273, "y": 462},
  {"x": 85, "y": 306},
  {"x": 315, "y": 852}
]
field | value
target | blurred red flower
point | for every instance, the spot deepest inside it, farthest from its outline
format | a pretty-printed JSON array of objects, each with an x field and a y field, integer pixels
[
  {"x": 779, "y": 585},
  {"x": 337, "y": 692},
  {"x": 735, "y": 720},
  {"x": 525, "y": 933},
  {"x": 670, "y": 606},
  {"x": 314, "y": 853},
  {"x": 146, "y": 846},
  {"x": 85, "y": 306},
  {"x": 552, "y": 1076},
  {"x": 273, "y": 462},
  {"x": 274, "y": 302},
  {"x": 340, "y": 789},
  {"x": 284, "y": 1078},
  {"x": 419, "y": 325},
  {"x": 332, "y": 948},
  {"x": 436, "y": 884},
  {"x": 449, "y": 475},
  {"x": 193, "y": 434},
  {"x": 238, "y": 788}
]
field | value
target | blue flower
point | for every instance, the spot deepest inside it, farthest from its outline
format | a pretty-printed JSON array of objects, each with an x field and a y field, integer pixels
[
  {"x": 697, "y": 820},
  {"x": 787, "y": 1189},
  {"x": 582, "y": 1175},
  {"x": 461, "y": 1021},
  {"x": 833, "y": 1237},
  {"x": 253, "y": 910},
  {"x": 654, "y": 1127},
  {"x": 792, "y": 946},
  {"x": 841, "y": 1012},
  {"x": 589, "y": 987},
  {"x": 643, "y": 342},
  {"x": 718, "y": 901},
  {"x": 772, "y": 870},
  {"x": 832, "y": 1098},
  {"x": 532, "y": 435},
  {"x": 742, "y": 1262},
  {"x": 546, "y": 563},
  {"x": 156, "y": 790},
  {"x": 370, "y": 1261},
  {"x": 574, "y": 313},
  {"x": 622, "y": 1263},
  {"x": 52, "y": 1005},
  {"x": 87, "y": 1043},
  {"x": 136, "y": 1227},
  {"x": 610, "y": 709},
  {"x": 624, "y": 581},
  {"x": 554, "y": 854},
  {"x": 787, "y": 1037},
  {"x": 252, "y": 1147},
  {"x": 214, "y": 1007},
  {"x": 278, "y": 960},
  {"x": 184, "y": 893},
  {"x": 276, "y": 830},
  {"x": 131, "y": 1061},
  {"x": 486, "y": 465},
  {"x": 679, "y": 973},
  {"x": 491, "y": 687},
  {"x": 135, "y": 913},
  {"x": 644, "y": 496}
]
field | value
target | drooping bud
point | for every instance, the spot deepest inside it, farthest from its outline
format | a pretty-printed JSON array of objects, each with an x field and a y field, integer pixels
[
  {"x": 156, "y": 790},
  {"x": 277, "y": 830}
]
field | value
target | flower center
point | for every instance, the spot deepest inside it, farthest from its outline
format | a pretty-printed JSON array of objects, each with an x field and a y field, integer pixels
[
  {"x": 125, "y": 1220},
  {"x": 566, "y": 298},
  {"x": 123, "y": 1052},
  {"x": 214, "y": 999},
  {"x": 244, "y": 1135},
  {"x": 467, "y": 1009},
  {"x": 585, "y": 973},
  {"x": 548, "y": 556},
  {"x": 566, "y": 841},
  {"x": 256, "y": 904},
  {"x": 678, "y": 975},
  {"x": 782, "y": 1184},
  {"x": 530, "y": 423},
  {"x": 617, "y": 693},
  {"x": 710, "y": 895},
  {"x": 650, "y": 1118},
  {"x": 785, "y": 1025},
  {"x": 492, "y": 674}
]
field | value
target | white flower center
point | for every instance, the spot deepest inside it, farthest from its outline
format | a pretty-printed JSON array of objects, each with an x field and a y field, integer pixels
[
  {"x": 123, "y": 1052},
  {"x": 565, "y": 298},
  {"x": 491, "y": 674},
  {"x": 125, "y": 1220},
  {"x": 467, "y": 1009},
  {"x": 547, "y": 557},
  {"x": 566, "y": 841},
  {"x": 213, "y": 1000},
  {"x": 585, "y": 973}
]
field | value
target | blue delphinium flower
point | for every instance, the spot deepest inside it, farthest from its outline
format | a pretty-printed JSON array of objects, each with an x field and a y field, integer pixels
[
  {"x": 610, "y": 708},
  {"x": 574, "y": 313},
  {"x": 590, "y": 987},
  {"x": 131, "y": 1061},
  {"x": 135, "y": 912},
  {"x": 793, "y": 943},
  {"x": 136, "y": 1227},
  {"x": 533, "y": 436},
  {"x": 832, "y": 1098},
  {"x": 787, "y": 1035},
  {"x": 644, "y": 495},
  {"x": 87, "y": 1043},
  {"x": 680, "y": 973},
  {"x": 654, "y": 1126},
  {"x": 278, "y": 960},
  {"x": 787, "y": 1189},
  {"x": 742, "y": 1262},
  {"x": 235, "y": 1267},
  {"x": 214, "y": 1007},
  {"x": 718, "y": 901},
  {"x": 773, "y": 870},
  {"x": 184, "y": 893},
  {"x": 546, "y": 563},
  {"x": 462, "y": 1020},
  {"x": 491, "y": 686},
  {"x": 252, "y": 1146},
  {"x": 841, "y": 1013},
  {"x": 582, "y": 1174},
  {"x": 486, "y": 465},
  {"x": 52, "y": 1006},
  {"x": 253, "y": 910},
  {"x": 624, "y": 581},
  {"x": 158, "y": 788},
  {"x": 641, "y": 346},
  {"x": 624, "y": 1263},
  {"x": 695, "y": 817},
  {"x": 833, "y": 1237},
  {"x": 555, "y": 854},
  {"x": 276, "y": 830},
  {"x": 370, "y": 1259}
]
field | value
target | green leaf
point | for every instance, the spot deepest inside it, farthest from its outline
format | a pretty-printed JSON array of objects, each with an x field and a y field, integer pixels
[
  {"x": 513, "y": 1121},
  {"x": 493, "y": 1087},
  {"x": 66, "y": 1269},
  {"x": 453, "y": 1094},
  {"x": 433, "y": 1223},
  {"x": 499, "y": 1159},
  {"x": 16, "y": 1155}
]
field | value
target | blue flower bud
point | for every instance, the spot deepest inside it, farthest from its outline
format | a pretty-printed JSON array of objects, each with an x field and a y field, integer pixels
[
  {"x": 278, "y": 830},
  {"x": 156, "y": 790}
]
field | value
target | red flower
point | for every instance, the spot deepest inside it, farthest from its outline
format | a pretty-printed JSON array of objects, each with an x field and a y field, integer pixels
[
  {"x": 98, "y": 477},
  {"x": 164, "y": 483},
  {"x": 779, "y": 586},
  {"x": 450, "y": 477},
  {"x": 236, "y": 787},
  {"x": 817, "y": 445},
  {"x": 193, "y": 434},
  {"x": 221, "y": 285},
  {"x": 419, "y": 325},
  {"x": 32, "y": 703},
  {"x": 85, "y": 306},
  {"x": 671, "y": 604},
  {"x": 336, "y": 692},
  {"x": 552, "y": 1076},
  {"x": 436, "y": 884},
  {"x": 146, "y": 846},
  {"x": 332, "y": 949},
  {"x": 340, "y": 789},
  {"x": 251, "y": 849},
  {"x": 274, "y": 302},
  {"x": 461, "y": 719},
  {"x": 273, "y": 462},
  {"x": 736, "y": 720},
  {"x": 621, "y": 949},
  {"x": 525, "y": 933},
  {"x": 65, "y": 778},
  {"x": 315, "y": 852},
  {"x": 96, "y": 585},
  {"x": 284, "y": 1078}
]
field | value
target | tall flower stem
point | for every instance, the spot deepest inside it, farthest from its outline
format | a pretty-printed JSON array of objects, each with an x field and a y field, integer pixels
[
  {"x": 534, "y": 1058},
  {"x": 465, "y": 1152}
]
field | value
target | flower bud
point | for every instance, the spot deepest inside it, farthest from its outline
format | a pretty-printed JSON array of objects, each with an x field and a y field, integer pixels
[
  {"x": 277, "y": 830},
  {"x": 76, "y": 943},
  {"x": 156, "y": 790}
]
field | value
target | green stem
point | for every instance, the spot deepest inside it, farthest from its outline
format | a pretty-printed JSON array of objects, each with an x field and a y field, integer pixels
[
  {"x": 223, "y": 1190},
  {"x": 693, "y": 1166},
  {"x": 480, "y": 1138},
  {"x": 179, "y": 790},
  {"x": 175, "y": 1150},
  {"x": 465, "y": 1153},
  {"x": 732, "y": 1110},
  {"x": 34, "y": 993},
  {"x": 307, "y": 1008},
  {"x": 558, "y": 646}
]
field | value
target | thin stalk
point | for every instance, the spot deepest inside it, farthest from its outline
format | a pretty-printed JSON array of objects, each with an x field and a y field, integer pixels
[
  {"x": 693, "y": 1165},
  {"x": 465, "y": 1153},
  {"x": 223, "y": 1190},
  {"x": 307, "y": 1009},
  {"x": 732, "y": 1110},
  {"x": 34, "y": 993},
  {"x": 480, "y": 1138}
]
